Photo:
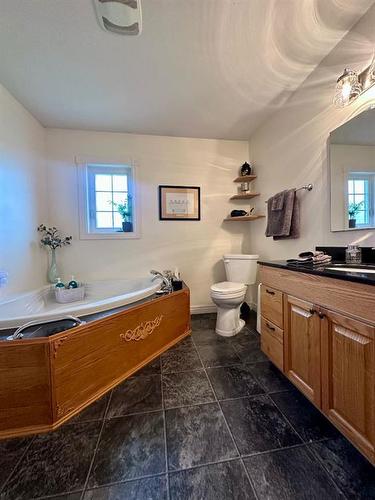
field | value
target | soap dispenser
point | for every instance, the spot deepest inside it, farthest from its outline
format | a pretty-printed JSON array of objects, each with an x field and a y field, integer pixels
[
  {"x": 59, "y": 283},
  {"x": 73, "y": 283}
]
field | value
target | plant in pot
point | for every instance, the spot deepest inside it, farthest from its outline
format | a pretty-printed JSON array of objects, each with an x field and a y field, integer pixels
[
  {"x": 353, "y": 210},
  {"x": 53, "y": 239},
  {"x": 126, "y": 211}
]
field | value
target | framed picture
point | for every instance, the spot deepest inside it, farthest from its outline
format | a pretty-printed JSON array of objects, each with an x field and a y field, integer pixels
[{"x": 179, "y": 203}]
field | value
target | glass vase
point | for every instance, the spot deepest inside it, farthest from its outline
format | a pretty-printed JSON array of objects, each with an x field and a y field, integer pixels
[{"x": 53, "y": 272}]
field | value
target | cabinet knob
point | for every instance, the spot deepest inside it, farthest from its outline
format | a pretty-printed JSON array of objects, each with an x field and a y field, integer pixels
[
  {"x": 321, "y": 315},
  {"x": 270, "y": 292},
  {"x": 270, "y": 327},
  {"x": 312, "y": 311}
]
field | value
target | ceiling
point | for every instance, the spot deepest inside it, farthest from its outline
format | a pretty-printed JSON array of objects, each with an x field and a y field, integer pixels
[{"x": 200, "y": 68}]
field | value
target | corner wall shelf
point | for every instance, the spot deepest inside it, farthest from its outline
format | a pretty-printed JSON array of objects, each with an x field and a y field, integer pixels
[
  {"x": 245, "y": 196},
  {"x": 244, "y": 218},
  {"x": 245, "y": 178}
]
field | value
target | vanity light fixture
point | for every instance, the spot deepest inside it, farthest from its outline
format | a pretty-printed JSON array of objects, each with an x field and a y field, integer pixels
[
  {"x": 351, "y": 84},
  {"x": 123, "y": 17}
]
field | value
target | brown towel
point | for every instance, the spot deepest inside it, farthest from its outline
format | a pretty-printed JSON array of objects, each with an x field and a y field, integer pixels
[{"x": 284, "y": 222}]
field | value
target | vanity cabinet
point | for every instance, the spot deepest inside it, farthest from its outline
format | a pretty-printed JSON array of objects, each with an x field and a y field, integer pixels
[{"x": 325, "y": 348}]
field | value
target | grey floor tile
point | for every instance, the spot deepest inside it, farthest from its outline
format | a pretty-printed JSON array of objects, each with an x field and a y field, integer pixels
[
  {"x": 55, "y": 463},
  {"x": 186, "y": 388},
  {"x": 257, "y": 425},
  {"x": 67, "y": 496},
  {"x": 179, "y": 359},
  {"x": 152, "y": 368},
  {"x": 353, "y": 474},
  {"x": 95, "y": 411},
  {"x": 203, "y": 321},
  {"x": 137, "y": 394},
  {"x": 218, "y": 355},
  {"x": 310, "y": 424},
  {"x": 130, "y": 447},
  {"x": 233, "y": 381},
  {"x": 223, "y": 481},
  {"x": 197, "y": 435},
  {"x": 207, "y": 336},
  {"x": 290, "y": 475},
  {"x": 152, "y": 488},
  {"x": 270, "y": 377},
  {"x": 11, "y": 451},
  {"x": 250, "y": 352}
]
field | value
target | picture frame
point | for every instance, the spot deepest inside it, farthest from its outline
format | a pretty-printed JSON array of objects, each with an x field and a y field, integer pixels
[{"x": 179, "y": 203}]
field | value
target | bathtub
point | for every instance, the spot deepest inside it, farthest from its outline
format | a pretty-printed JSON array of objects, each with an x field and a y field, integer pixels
[{"x": 40, "y": 304}]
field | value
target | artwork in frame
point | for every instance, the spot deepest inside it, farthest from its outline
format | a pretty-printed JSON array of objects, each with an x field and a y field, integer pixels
[{"x": 179, "y": 203}]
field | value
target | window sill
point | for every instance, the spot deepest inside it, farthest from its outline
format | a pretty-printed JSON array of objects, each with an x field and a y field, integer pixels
[{"x": 110, "y": 236}]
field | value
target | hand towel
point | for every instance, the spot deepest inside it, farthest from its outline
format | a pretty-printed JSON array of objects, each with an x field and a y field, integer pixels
[
  {"x": 279, "y": 222},
  {"x": 295, "y": 223}
]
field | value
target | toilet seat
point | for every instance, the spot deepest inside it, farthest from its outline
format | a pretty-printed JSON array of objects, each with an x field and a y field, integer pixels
[{"x": 226, "y": 288}]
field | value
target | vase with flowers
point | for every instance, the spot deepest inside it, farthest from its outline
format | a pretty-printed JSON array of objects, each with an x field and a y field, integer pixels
[{"x": 53, "y": 239}]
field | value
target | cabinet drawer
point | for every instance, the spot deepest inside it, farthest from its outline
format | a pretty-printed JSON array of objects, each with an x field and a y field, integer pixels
[
  {"x": 272, "y": 305},
  {"x": 272, "y": 343}
]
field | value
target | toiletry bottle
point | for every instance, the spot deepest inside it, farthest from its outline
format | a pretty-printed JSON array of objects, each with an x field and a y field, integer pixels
[
  {"x": 353, "y": 254},
  {"x": 59, "y": 283},
  {"x": 73, "y": 283}
]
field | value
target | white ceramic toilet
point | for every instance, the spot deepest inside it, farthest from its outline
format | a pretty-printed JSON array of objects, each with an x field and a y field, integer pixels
[{"x": 229, "y": 295}]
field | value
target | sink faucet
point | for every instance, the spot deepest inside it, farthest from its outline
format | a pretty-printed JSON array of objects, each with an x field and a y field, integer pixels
[{"x": 167, "y": 284}]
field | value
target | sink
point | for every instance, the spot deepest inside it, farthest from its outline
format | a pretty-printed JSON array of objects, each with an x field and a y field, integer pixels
[{"x": 349, "y": 269}]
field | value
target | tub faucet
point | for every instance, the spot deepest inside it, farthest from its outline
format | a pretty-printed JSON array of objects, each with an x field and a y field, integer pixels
[{"x": 167, "y": 284}]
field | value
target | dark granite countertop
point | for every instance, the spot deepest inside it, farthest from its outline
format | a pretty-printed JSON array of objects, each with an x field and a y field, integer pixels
[{"x": 358, "y": 277}]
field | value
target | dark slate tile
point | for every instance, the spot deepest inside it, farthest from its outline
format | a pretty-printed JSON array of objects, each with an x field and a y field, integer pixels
[
  {"x": 55, "y": 463},
  {"x": 250, "y": 353},
  {"x": 289, "y": 475},
  {"x": 310, "y": 424},
  {"x": 257, "y": 425},
  {"x": 186, "y": 388},
  {"x": 218, "y": 355},
  {"x": 67, "y": 496},
  {"x": 129, "y": 447},
  {"x": 197, "y": 435},
  {"x": 233, "y": 381},
  {"x": 11, "y": 451},
  {"x": 136, "y": 395},
  {"x": 270, "y": 377},
  {"x": 353, "y": 474},
  {"x": 95, "y": 411},
  {"x": 223, "y": 481},
  {"x": 152, "y": 368},
  {"x": 179, "y": 359},
  {"x": 203, "y": 321},
  {"x": 152, "y": 488},
  {"x": 204, "y": 336}
]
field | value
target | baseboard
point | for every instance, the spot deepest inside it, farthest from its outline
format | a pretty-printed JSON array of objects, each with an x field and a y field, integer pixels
[{"x": 203, "y": 309}]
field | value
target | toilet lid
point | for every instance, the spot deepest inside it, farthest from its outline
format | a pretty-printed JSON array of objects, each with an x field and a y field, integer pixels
[{"x": 228, "y": 287}]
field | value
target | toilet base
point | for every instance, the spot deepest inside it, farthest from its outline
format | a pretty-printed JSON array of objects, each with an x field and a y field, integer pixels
[{"x": 228, "y": 322}]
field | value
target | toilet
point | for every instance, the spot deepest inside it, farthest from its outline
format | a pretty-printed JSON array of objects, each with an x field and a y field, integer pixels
[{"x": 229, "y": 295}]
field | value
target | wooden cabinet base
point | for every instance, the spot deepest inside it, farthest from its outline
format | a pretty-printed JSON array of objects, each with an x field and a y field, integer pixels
[{"x": 46, "y": 381}]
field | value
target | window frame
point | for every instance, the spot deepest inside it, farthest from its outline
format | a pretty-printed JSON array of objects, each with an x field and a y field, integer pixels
[
  {"x": 370, "y": 178},
  {"x": 85, "y": 193}
]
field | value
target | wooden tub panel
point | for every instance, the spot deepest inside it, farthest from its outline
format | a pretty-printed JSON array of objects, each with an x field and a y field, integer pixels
[
  {"x": 90, "y": 360},
  {"x": 25, "y": 392}
]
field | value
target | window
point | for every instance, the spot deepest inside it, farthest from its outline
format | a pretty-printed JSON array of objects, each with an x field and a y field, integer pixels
[
  {"x": 107, "y": 202},
  {"x": 361, "y": 199}
]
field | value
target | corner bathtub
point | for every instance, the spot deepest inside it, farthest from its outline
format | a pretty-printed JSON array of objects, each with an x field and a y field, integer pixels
[{"x": 100, "y": 296}]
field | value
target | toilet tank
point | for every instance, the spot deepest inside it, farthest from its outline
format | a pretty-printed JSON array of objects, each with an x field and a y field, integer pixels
[{"x": 241, "y": 268}]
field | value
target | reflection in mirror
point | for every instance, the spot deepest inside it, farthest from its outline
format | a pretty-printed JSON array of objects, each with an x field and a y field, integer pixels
[{"x": 352, "y": 170}]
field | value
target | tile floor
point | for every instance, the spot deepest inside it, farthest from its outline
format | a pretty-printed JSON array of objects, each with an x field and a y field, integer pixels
[{"x": 211, "y": 419}]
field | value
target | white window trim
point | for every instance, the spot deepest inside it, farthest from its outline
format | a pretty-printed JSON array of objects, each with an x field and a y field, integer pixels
[{"x": 84, "y": 234}]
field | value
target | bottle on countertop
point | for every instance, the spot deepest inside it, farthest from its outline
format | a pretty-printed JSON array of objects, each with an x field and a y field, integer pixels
[
  {"x": 59, "y": 283},
  {"x": 72, "y": 283}
]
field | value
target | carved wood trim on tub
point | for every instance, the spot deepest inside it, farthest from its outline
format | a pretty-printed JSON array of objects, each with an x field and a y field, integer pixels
[{"x": 142, "y": 331}]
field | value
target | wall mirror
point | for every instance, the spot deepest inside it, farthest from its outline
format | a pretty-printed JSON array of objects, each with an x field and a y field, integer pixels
[{"x": 352, "y": 171}]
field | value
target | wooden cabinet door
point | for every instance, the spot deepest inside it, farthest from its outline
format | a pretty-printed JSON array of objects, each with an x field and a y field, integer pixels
[
  {"x": 302, "y": 347},
  {"x": 348, "y": 385}
]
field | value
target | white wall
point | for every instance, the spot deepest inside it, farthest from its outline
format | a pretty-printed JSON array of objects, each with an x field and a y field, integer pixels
[
  {"x": 22, "y": 196},
  {"x": 290, "y": 149},
  {"x": 195, "y": 248}
]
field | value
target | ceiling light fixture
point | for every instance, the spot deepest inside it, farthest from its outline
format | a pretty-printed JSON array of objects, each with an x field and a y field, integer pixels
[
  {"x": 123, "y": 17},
  {"x": 351, "y": 84}
]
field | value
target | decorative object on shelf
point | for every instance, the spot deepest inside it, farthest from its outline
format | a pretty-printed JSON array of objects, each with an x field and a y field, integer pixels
[
  {"x": 353, "y": 210},
  {"x": 245, "y": 186},
  {"x": 125, "y": 209},
  {"x": 238, "y": 213},
  {"x": 245, "y": 169},
  {"x": 53, "y": 239},
  {"x": 179, "y": 203},
  {"x": 351, "y": 84}
]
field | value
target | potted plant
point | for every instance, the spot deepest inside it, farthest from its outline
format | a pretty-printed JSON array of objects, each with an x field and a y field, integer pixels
[
  {"x": 126, "y": 212},
  {"x": 53, "y": 239},
  {"x": 353, "y": 210}
]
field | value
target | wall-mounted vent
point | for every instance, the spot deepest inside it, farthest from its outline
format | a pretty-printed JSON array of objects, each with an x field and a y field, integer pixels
[{"x": 123, "y": 17}]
